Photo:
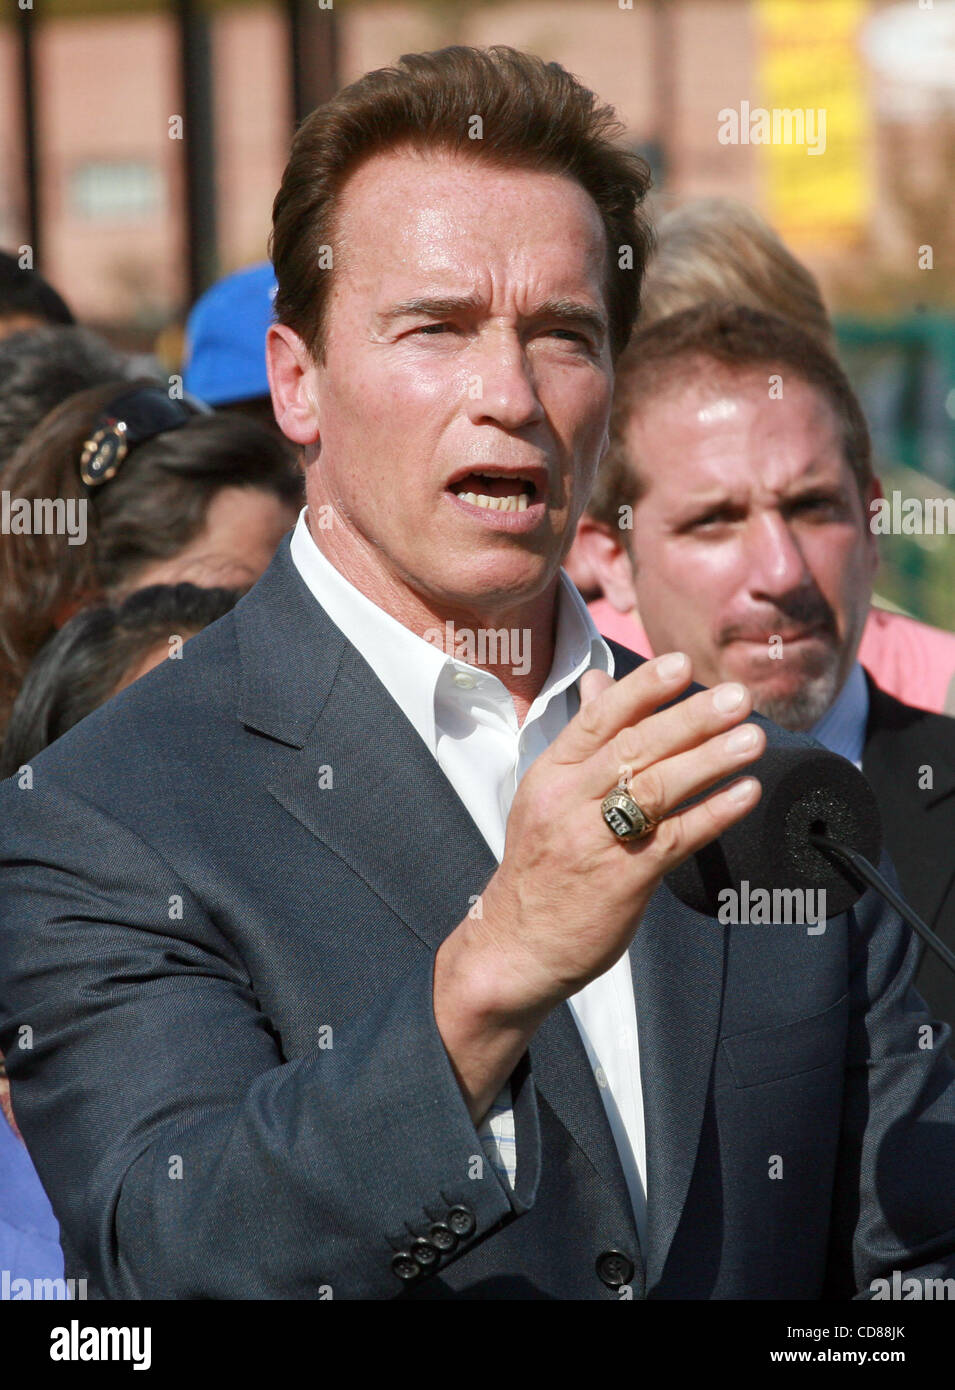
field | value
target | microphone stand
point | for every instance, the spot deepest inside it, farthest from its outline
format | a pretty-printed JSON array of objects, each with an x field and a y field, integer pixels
[{"x": 864, "y": 870}]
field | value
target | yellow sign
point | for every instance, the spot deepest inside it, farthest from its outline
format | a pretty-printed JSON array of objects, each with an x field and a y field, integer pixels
[{"x": 812, "y": 120}]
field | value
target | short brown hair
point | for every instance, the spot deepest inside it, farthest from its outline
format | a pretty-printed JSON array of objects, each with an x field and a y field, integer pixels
[
  {"x": 732, "y": 336},
  {"x": 534, "y": 115}
]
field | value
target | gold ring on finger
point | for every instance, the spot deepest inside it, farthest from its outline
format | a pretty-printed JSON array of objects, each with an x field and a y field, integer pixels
[{"x": 626, "y": 817}]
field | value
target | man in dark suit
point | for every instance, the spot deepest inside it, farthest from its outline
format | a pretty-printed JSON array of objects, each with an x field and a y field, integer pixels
[
  {"x": 733, "y": 510},
  {"x": 909, "y": 759},
  {"x": 328, "y": 967}
]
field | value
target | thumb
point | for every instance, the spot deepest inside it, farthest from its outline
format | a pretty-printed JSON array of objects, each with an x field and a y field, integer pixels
[{"x": 592, "y": 683}]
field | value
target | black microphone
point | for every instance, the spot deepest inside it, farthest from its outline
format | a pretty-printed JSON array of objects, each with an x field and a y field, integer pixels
[
  {"x": 806, "y": 791},
  {"x": 816, "y": 827}
]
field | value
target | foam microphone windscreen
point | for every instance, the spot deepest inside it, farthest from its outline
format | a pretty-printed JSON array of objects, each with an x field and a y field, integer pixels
[{"x": 805, "y": 790}]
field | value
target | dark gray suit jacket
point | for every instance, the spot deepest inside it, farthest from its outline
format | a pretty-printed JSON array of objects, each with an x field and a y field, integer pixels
[
  {"x": 187, "y": 911},
  {"x": 903, "y": 745}
]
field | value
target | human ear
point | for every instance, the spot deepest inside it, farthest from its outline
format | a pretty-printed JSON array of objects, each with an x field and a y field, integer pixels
[{"x": 291, "y": 371}]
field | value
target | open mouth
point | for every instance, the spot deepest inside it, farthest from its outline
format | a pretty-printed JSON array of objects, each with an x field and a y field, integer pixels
[{"x": 500, "y": 494}]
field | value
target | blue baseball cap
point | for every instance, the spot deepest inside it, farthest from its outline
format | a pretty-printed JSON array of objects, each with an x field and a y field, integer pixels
[{"x": 225, "y": 337}]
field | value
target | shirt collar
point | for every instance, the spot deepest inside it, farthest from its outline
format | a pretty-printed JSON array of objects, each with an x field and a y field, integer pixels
[
  {"x": 578, "y": 647},
  {"x": 842, "y": 728},
  {"x": 410, "y": 667},
  {"x": 407, "y": 666}
]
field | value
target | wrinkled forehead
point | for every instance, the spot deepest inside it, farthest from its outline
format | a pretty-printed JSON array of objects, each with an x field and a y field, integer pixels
[
  {"x": 407, "y": 212},
  {"x": 704, "y": 425}
]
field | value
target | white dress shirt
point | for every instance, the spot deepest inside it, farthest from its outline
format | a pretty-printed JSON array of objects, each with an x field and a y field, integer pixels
[{"x": 468, "y": 722}]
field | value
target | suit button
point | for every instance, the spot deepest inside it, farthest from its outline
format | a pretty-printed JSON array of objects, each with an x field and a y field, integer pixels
[
  {"x": 442, "y": 1236},
  {"x": 614, "y": 1268},
  {"x": 461, "y": 1221},
  {"x": 404, "y": 1266},
  {"x": 424, "y": 1253}
]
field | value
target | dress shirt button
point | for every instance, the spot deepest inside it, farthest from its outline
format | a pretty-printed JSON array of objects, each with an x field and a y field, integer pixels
[
  {"x": 614, "y": 1268},
  {"x": 601, "y": 1078},
  {"x": 461, "y": 1221},
  {"x": 424, "y": 1253},
  {"x": 464, "y": 681},
  {"x": 442, "y": 1236},
  {"x": 404, "y": 1266}
]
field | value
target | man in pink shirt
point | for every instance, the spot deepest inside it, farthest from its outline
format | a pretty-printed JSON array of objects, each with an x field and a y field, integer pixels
[{"x": 911, "y": 660}]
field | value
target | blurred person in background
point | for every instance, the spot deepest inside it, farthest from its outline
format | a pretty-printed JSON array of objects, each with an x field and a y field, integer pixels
[
  {"x": 26, "y": 299},
  {"x": 745, "y": 541},
  {"x": 44, "y": 358},
  {"x": 170, "y": 494},
  {"x": 717, "y": 249},
  {"x": 97, "y": 654},
  {"x": 39, "y": 368},
  {"x": 225, "y": 345}
]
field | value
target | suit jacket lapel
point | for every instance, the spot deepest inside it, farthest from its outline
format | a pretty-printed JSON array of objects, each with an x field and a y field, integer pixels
[
  {"x": 677, "y": 962},
  {"x": 389, "y": 811},
  {"x": 564, "y": 1078}
]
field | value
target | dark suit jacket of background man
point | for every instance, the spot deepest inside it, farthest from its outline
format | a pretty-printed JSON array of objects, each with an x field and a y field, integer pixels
[
  {"x": 189, "y": 907},
  {"x": 918, "y": 822}
]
